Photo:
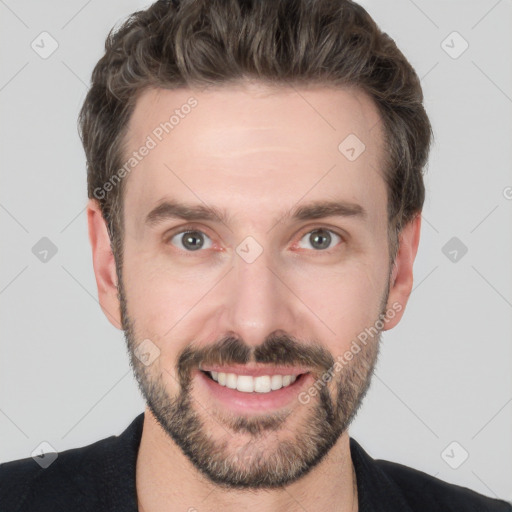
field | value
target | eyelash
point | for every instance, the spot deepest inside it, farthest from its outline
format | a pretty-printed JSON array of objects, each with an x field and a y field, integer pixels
[{"x": 186, "y": 229}]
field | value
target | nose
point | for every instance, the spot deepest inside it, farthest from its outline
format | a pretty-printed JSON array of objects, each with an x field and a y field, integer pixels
[{"x": 257, "y": 301}]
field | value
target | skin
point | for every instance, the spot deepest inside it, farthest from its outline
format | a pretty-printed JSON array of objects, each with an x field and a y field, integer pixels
[{"x": 258, "y": 152}]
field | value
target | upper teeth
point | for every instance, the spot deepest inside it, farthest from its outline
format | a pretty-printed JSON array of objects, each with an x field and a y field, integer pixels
[{"x": 248, "y": 384}]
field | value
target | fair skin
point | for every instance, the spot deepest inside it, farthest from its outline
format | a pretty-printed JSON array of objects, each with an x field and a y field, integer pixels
[{"x": 258, "y": 154}]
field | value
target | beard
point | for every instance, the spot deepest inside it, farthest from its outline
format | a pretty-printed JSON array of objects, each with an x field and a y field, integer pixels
[{"x": 245, "y": 461}]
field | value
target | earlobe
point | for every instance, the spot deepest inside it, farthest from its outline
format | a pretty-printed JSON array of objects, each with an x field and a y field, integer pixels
[
  {"x": 401, "y": 279},
  {"x": 103, "y": 263}
]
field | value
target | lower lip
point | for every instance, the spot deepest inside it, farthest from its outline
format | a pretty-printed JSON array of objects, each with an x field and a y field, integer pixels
[{"x": 239, "y": 401}]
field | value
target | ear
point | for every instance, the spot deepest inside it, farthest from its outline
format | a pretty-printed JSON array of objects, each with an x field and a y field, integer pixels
[
  {"x": 401, "y": 279},
  {"x": 104, "y": 264}
]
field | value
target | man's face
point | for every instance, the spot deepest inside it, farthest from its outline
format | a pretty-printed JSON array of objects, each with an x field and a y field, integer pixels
[{"x": 262, "y": 287}]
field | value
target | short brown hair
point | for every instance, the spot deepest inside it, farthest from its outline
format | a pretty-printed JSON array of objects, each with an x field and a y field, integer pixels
[{"x": 175, "y": 44}]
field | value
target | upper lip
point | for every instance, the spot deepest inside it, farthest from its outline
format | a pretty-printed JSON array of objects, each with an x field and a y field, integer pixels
[{"x": 255, "y": 371}]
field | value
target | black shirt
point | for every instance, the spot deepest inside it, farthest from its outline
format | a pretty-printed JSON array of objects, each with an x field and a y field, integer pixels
[{"x": 100, "y": 477}]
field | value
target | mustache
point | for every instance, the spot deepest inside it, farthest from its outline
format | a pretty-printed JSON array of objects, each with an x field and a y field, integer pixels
[{"x": 277, "y": 349}]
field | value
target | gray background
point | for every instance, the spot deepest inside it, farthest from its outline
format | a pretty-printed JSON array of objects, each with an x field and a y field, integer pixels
[{"x": 444, "y": 374}]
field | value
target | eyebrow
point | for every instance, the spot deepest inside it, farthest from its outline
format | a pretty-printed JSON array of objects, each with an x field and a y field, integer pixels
[{"x": 201, "y": 212}]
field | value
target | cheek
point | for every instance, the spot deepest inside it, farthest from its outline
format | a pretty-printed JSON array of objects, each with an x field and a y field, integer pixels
[
  {"x": 158, "y": 298},
  {"x": 346, "y": 299}
]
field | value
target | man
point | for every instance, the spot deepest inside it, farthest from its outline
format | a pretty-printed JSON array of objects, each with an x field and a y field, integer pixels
[{"x": 255, "y": 189}]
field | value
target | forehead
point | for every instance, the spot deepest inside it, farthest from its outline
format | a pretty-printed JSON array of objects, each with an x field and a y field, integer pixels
[{"x": 254, "y": 147}]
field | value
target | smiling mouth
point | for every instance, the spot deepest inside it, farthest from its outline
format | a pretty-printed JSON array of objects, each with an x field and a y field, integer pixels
[{"x": 250, "y": 384}]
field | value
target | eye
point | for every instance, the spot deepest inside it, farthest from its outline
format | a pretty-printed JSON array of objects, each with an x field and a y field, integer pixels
[
  {"x": 320, "y": 238},
  {"x": 191, "y": 240}
]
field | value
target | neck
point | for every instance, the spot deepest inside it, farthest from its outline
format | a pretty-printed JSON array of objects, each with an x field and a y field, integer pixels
[{"x": 166, "y": 481}]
